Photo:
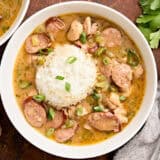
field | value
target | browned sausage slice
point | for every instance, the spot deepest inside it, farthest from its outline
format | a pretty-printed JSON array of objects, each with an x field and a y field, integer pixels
[
  {"x": 37, "y": 41},
  {"x": 122, "y": 75},
  {"x": 57, "y": 121},
  {"x": 64, "y": 134},
  {"x": 112, "y": 37},
  {"x": 34, "y": 113},
  {"x": 54, "y": 24},
  {"x": 104, "y": 121}
]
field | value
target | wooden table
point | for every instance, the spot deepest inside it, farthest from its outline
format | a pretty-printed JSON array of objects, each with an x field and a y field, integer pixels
[{"x": 12, "y": 145}]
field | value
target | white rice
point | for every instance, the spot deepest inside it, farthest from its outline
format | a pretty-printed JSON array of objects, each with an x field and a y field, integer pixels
[{"x": 81, "y": 75}]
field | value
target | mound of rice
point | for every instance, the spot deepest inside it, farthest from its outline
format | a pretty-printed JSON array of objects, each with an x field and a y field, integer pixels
[{"x": 81, "y": 75}]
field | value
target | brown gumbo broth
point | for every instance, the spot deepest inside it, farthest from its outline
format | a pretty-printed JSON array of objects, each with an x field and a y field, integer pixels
[
  {"x": 8, "y": 12},
  {"x": 115, "y": 97}
]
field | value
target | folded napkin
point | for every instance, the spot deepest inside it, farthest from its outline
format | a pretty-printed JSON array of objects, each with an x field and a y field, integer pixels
[{"x": 146, "y": 144}]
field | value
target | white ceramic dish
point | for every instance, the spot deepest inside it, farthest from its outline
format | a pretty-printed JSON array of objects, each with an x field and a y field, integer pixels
[
  {"x": 16, "y": 23},
  {"x": 16, "y": 116}
]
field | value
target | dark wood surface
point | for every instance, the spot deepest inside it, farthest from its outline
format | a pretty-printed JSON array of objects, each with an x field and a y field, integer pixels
[{"x": 12, "y": 145}]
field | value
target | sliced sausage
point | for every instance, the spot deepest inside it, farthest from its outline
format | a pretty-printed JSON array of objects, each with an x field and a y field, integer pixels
[
  {"x": 36, "y": 42},
  {"x": 112, "y": 37},
  {"x": 57, "y": 121},
  {"x": 34, "y": 113},
  {"x": 138, "y": 71},
  {"x": 54, "y": 24},
  {"x": 106, "y": 70},
  {"x": 65, "y": 134},
  {"x": 122, "y": 75},
  {"x": 104, "y": 121},
  {"x": 87, "y": 25},
  {"x": 75, "y": 31}
]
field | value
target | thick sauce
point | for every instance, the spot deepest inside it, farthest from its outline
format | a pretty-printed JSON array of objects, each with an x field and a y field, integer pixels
[
  {"x": 25, "y": 70},
  {"x": 8, "y": 12}
]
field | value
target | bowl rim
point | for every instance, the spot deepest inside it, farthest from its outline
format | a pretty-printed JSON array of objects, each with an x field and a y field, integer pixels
[
  {"x": 16, "y": 23},
  {"x": 78, "y": 155}
]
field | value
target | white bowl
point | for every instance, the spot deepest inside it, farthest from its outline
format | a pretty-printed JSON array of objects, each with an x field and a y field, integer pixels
[
  {"x": 16, "y": 23},
  {"x": 17, "y": 118}
]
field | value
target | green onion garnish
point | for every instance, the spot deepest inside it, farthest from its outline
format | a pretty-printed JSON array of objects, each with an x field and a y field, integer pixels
[
  {"x": 39, "y": 98},
  {"x": 69, "y": 123},
  {"x": 96, "y": 96},
  {"x": 113, "y": 88},
  {"x": 79, "y": 111},
  {"x": 100, "y": 51},
  {"x": 60, "y": 77},
  {"x": 67, "y": 87},
  {"x": 24, "y": 84},
  {"x": 51, "y": 113},
  {"x": 83, "y": 37},
  {"x": 122, "y": 98},
  {"x": 105, "y": 61},
  {"x": 98, "y": 108},
  {"x": 132, "y": 58},
  {"x": 49, "y": 132},
  {"x": 71, "y": 59}
]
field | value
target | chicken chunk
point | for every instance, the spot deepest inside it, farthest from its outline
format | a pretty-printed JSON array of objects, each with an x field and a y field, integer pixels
[
  {"x": 138, "y": 71},
  {"x": 87, "y": 25},
  {"x": 75, "y": 31},
  {"x": 104, "y": 121},
  {"x": 121, "y": 114},
  {"x": 113, "y": 101}
]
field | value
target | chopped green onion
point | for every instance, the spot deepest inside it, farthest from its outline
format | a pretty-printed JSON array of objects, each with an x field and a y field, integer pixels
[
  {"x": 71, "y": 59},
  {"x": 41, "y": 60},
  {"x": 101, "y": 77},
  {"x": 49, "y": 132},
  {"x": 106, "y": 61},
  {"x": 100, "y": 51},
  {"x": 96, "y": 96},
  {"x": 67, "y": 87},
  {"x": 60, "y": 77},
  {"x": 51, "y": 113},
  {"x": 122, "y": 98},
  {"x": 83, "y": 37},
  {"x": 132, "y": 58},
  {"x": 79, "y": 111},
  {"x": 69, "y": 123},
  {"x": 98, "y": 109},
  {"x": 113, "y": 88},
  {"x": 24, "y": 84},
  {"x": 99, "y": 39},
  {"x": 39, "y": 98},
  {"x": 45, "y": 51},
  {"x": 103, "y": 85},
  {"x": 49, "y": 50}
]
